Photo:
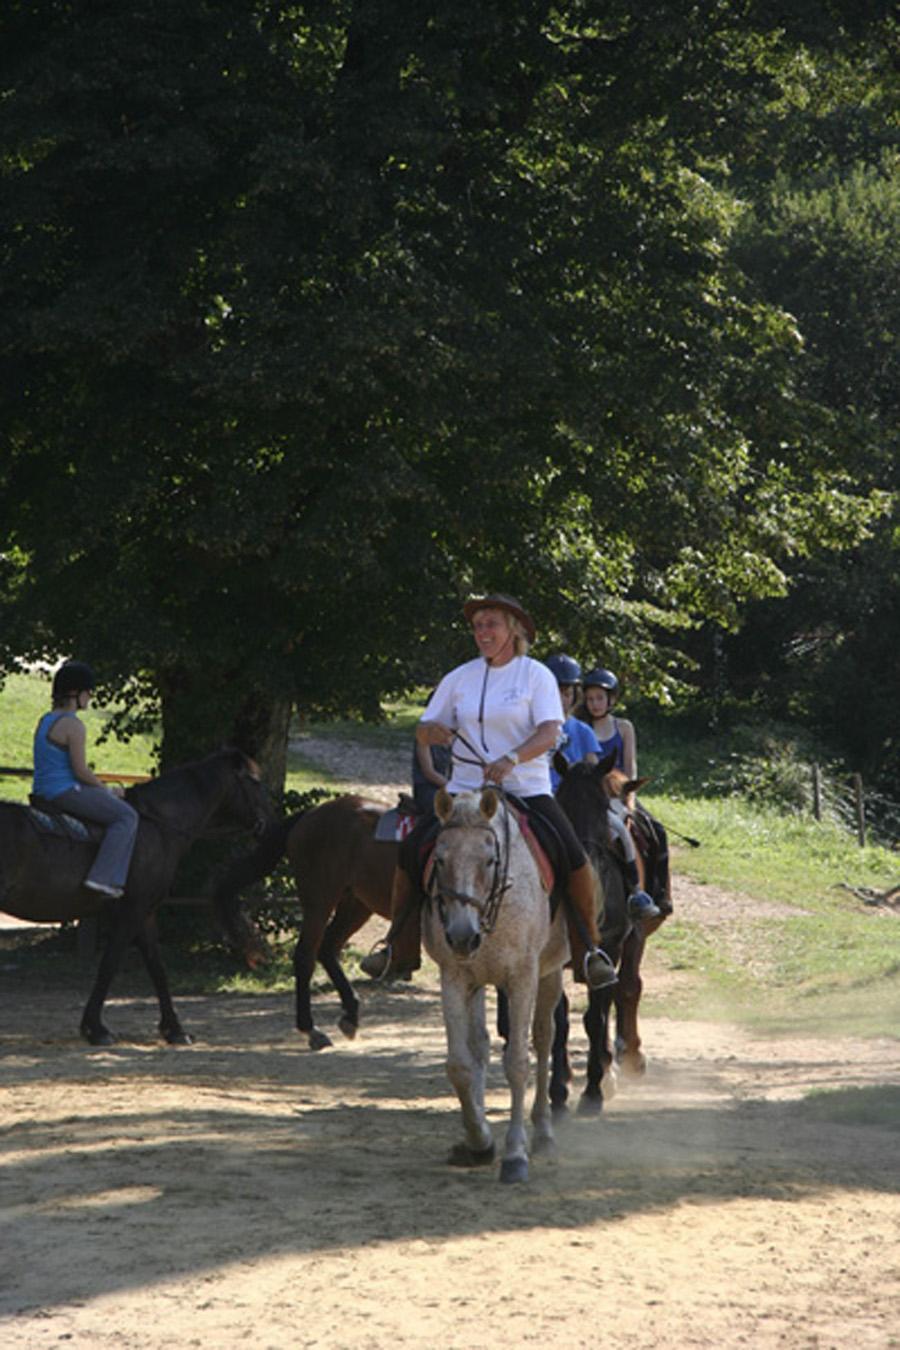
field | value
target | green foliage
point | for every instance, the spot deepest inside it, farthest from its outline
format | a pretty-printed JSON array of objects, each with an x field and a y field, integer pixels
[{"x": 317, "y": 318}]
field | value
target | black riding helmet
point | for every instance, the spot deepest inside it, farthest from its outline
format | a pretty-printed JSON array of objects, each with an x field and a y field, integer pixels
[
  {"x": 565, "y": 668},
  {"x": 71, "y": 678},
  {"x": 598, "y": 678}
]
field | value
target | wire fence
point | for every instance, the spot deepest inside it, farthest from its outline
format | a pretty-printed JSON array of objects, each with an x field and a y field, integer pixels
[{"x": 871, "y": 815}]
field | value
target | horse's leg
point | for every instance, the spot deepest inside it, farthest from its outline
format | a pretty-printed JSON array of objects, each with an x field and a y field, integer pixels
[
  {"x": 316, "y": 913},
  {"x": 348, "y": 918},
  {"x": 147, "y": 942},
  {"x": 628, "y": 996},
  {"x": 600, "y": 1076},
  {"x": 522, "y": 994},
  {"x": 123, "y": 933},
  {"x": 549, "y": 998},
  {"x": 560, "y": 1068},
  {"x": 468, "y": 1047},
  {"x": 628, "y": 1039},
  {"x": 502, "y": 1015}
]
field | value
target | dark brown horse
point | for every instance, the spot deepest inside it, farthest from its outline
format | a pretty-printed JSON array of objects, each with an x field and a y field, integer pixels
[
  {"x": 42, "y": 868},
  {"x": 343, "y": 875},
  {"x": 584, "y": 794}
]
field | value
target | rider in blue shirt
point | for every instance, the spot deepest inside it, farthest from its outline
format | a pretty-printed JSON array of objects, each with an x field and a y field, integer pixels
[
  {"x": 577, "y": 739},
  {"x": 62, "y": 776}
]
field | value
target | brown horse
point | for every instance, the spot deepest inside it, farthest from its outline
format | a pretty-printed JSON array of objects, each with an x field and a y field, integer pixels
[{"x": 343, "y": 876}]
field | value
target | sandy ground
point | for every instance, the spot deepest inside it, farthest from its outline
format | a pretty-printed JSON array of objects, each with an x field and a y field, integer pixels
[{"x": 248, "y": 1190}]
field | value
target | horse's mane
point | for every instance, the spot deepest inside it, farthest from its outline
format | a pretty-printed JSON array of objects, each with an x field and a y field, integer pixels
[{"x": 194, "y": 773}]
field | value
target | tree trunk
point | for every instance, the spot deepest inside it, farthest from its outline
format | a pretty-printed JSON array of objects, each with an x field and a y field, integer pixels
[{"x": 199, "y": 717}]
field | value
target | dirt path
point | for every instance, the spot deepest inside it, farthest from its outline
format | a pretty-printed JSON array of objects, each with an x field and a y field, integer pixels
[{"x": 246, "y": 1190}]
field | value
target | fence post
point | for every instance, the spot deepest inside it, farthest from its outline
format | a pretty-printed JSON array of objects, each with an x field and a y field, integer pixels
[
  {"x": 817, "y": 791},
  {"x": 860, "y": 809}
]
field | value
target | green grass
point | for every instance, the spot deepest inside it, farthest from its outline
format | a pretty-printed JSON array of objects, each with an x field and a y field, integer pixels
[{"x": 823, "y": 960}]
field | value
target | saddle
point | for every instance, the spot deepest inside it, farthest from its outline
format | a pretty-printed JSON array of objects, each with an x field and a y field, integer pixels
[
  {"x": 394, "y": 825},
  {"x": 49, "y": 819}
]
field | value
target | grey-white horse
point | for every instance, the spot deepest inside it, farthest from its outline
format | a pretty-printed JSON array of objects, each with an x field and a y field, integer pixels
[{"x": 489, "y": 923}]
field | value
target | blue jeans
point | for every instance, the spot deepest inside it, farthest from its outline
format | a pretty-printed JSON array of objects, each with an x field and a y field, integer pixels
[{"x": 121, "y": 820}]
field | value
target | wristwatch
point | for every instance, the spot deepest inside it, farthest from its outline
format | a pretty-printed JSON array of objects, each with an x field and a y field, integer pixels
[{"x": 512, "y": 755}]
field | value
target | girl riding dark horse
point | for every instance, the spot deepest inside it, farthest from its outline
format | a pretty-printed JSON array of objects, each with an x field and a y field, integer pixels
[{"x": 44, "y": 863}]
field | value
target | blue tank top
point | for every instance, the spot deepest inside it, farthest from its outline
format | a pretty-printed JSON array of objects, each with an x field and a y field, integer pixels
[
  {"x": 616, "y": 743},
  {"x": 52, "y": 766}
]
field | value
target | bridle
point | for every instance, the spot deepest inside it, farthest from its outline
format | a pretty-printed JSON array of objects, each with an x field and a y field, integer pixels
[{"x": 487, "y": 906}]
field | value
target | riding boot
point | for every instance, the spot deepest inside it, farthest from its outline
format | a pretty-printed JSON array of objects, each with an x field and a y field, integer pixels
[
  {"x": 401, "y": 952},
  {"x": 640, "y": 904},
  {"x": 590, "y": 963}
]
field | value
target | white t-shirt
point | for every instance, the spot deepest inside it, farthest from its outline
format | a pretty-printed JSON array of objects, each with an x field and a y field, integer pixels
[{"x": 496, "y": 708}]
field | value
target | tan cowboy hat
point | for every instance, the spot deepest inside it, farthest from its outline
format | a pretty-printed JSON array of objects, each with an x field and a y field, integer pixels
[{"x": 501, "y": 602}]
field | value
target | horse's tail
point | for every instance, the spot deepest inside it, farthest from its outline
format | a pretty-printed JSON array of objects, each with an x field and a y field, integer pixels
[{"x": 240, "y": 930}]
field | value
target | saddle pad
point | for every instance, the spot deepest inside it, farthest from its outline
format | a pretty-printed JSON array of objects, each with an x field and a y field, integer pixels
[
  {"x": 545, "y": 867},
  {"x": 394, "y": 825},
  {"x": 61, "y": 824}
]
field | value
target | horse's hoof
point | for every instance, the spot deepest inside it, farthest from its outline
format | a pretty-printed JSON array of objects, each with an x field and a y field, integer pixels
[
  {"x": 559, "y": 1109},
  {"x": 590, "y": 1104},
  {"x": 514, "y": 1169},
  {"x": 318, "y": 1040},
  {"x": 634, "y": 1063},
  {"x": 348, "y": 1027},
  {"x": 461, "y": 1155},
  {"x": 543, "y": 1146},
  {"x": 176, "y": 1036},
  {"x": 98, "y": 1035}
]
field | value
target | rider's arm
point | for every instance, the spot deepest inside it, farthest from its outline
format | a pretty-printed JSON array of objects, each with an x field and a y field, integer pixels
[
  {"x": 426, "y": 764},
  {"x": 72, "y": 735},
  {"x": 629, "y": 756},
  {"x": 542, "y": 739},
  {"x": 629, "y": 747},
  {"x": 433, "y": 733}
]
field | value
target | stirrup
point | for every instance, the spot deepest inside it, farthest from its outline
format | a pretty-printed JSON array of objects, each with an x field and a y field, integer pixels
[
  {"x": 377, "y": 963},
  {"x": 605, "y": 976}
]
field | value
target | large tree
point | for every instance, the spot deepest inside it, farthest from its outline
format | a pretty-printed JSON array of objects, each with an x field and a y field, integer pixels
[{"x": 317, "y": 316}]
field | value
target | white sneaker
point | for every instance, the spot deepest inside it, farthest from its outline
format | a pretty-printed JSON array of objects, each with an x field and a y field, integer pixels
[{"x": 113, "y": 892}]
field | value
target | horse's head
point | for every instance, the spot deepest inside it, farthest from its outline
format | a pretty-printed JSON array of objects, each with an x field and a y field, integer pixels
[
  {"x": 583, "y": 794},
  {"x": 619, "y": 787},
  {"x": 469, "y": 861},
  {"x": 246, "y": 803}
]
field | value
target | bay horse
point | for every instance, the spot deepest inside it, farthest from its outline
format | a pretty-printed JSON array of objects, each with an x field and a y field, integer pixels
[
  {"x": 42, "y": 868},
  {"x": 489, "y": 923},
  {"x": 585, "y": 793},
  {"x": 343, "y": 876}
]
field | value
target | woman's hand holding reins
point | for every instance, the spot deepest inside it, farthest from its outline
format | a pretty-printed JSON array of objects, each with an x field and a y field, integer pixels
[{"x": 498, "y": 770}]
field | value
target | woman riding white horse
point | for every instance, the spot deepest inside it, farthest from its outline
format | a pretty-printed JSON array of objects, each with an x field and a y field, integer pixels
[
  {"x": 501, "y": 714},
  {"x": 490, "y": 924}
]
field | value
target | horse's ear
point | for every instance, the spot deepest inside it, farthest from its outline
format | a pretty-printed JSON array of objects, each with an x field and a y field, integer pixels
[
  {"x": 489, "y": 802},
  {"x": 443, "y": 805},
  {"x": 560, "y": 763},
  {"x": 605, "y": 765},
  {"x": 633, "y": 785}
]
